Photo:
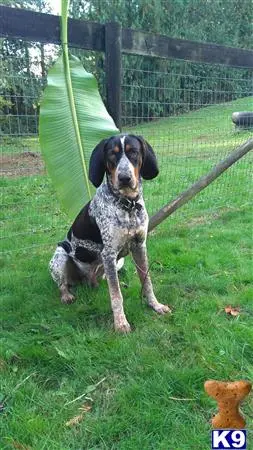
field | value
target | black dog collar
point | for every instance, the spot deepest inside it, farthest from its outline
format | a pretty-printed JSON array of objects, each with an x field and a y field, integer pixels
[
  {"x": 130, "y": 205},
  {"x": 126, "y": 203}
]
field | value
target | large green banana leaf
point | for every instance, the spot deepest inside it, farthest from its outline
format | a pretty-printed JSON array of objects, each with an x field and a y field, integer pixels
[{"x": 73, "y": 119}]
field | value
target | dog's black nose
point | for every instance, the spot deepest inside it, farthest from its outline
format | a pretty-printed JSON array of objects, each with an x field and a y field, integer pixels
[{"x": 124, "y": 179}]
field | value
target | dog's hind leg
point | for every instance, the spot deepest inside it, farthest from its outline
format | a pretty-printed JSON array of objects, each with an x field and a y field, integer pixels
[
  {"x": 62, "y": 270},
  {"x": 66, "y": 295}
]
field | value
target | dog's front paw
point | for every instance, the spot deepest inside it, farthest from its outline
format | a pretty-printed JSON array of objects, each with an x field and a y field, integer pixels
[
  {"x": 121, "y": 325},
  {"x": 160, "y": 308},
  {"x": 67, "y": 298}
]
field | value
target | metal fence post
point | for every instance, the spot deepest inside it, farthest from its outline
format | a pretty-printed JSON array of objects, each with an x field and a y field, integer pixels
[{"x": 113, "y": 70}]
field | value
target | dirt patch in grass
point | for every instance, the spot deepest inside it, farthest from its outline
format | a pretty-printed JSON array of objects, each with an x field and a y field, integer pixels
[
  {"x": 21, "y": 164},
  {"x": 208, "y": 218}
]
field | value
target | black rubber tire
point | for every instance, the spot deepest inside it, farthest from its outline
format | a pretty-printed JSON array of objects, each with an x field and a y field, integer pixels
[{"x": 243, "y": 119}]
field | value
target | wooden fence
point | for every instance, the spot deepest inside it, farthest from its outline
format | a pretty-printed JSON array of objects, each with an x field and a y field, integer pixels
[{"x": 114, "y": 41}]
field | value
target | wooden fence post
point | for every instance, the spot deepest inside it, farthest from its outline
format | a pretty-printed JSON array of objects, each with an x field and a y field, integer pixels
[{"x": 113, "y": 70}]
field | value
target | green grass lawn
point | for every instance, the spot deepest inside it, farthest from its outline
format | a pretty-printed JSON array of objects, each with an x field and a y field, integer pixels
[{"x": 143, "y": 390}]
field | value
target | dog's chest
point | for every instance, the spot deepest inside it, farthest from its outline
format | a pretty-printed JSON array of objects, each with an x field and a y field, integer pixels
[
  {"x": 119, "y": 227},
  {"x": 129, "y": 227},
  {"x": 123, "y": 241},
  {"x": 131, "y": 221},
  {"x": 125, "y": 227}
]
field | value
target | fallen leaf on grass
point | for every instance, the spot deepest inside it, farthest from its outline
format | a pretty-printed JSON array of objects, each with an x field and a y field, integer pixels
[
  {"x": 77, "y": 419},
  {"x": 233, "y": 311},
  {"x": 85, "y": 408},
  {"x": 74, "y": 421}
]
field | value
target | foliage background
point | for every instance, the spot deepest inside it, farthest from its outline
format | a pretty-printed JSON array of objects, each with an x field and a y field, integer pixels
[{"x": 24, "y": 64}]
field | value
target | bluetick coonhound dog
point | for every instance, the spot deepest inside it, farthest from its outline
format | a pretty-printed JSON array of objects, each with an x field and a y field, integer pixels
[{"x": 112, "y": 224}]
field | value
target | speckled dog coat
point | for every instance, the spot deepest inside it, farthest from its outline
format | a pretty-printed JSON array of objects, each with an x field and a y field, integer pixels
[{"x": 113, "y": 224}]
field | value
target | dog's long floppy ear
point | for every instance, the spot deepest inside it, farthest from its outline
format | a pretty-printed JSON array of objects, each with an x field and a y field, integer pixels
[
  {"x": 97, "y": 164},
  {"x": 149, "y": 167}
]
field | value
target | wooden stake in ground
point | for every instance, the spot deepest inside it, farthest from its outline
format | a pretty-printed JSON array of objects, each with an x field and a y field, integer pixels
[{"x": 201, "y": 184}]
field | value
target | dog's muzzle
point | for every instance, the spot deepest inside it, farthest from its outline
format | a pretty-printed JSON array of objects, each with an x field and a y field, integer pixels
[{"x": 124, "y": 180}]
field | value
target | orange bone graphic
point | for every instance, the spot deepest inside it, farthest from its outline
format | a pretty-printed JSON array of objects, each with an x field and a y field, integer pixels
[{"x": 228, "y": 396}]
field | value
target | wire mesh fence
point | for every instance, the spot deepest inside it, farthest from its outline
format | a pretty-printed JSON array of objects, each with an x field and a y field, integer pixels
[
  {"x": 183, "y": 109},
  {"x": 27, "y": 194}
]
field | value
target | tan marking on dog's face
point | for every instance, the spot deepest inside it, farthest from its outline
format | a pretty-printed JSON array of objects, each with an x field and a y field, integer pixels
[
  {"x": 138, "y": 168},
  {"x": 113, "y": 158},
  {"x": 113, "y": 174},
  {"x": 136, "y": 174}
]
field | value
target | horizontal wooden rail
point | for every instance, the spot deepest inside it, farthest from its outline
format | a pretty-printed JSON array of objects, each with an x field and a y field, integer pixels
[
  {"x": 141, "y": 43},
  {"x": 45, "y": 28}
]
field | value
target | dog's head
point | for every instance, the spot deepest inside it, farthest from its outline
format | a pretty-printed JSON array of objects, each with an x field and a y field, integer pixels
[{"x": 125, "y": 159}]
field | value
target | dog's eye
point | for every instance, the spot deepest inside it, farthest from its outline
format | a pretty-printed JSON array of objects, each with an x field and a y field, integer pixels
[
  {"x": 112, "y": 158},
  {"x": 133, "y": 153}
]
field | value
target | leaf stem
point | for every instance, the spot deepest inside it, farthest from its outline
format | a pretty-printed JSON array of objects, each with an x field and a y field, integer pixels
[{"x": 64, "y": 41}]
